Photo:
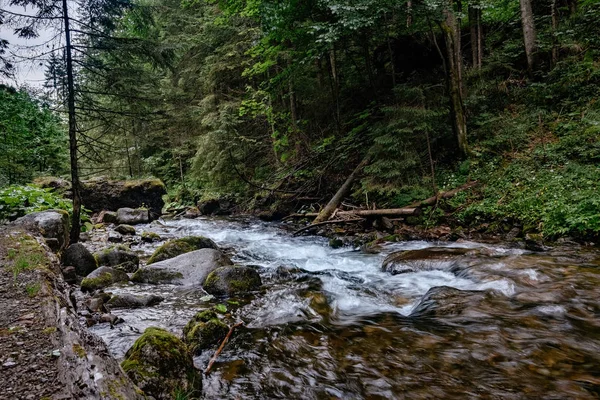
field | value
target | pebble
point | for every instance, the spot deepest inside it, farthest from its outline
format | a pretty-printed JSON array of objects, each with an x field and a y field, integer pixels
[{"x": 9, "y": 363}]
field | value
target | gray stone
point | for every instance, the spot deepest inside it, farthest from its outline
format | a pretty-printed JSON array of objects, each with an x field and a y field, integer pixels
[
  {"x": 131, "y": 301},
  {"x": 187, "y": 269},
  {"x": 130, "y": 216},
  {"x": 101, "y": 278},
  {"x": 78, "y": 256},
  {"x": 124, "y": 229},
  {"x": 107, "y": 217},
  {"x": 53, "y": 225},
  {"x": 116, "y": 255},
  {"x": 114, "y": 237},
  {"x": 232, "y": 280}
]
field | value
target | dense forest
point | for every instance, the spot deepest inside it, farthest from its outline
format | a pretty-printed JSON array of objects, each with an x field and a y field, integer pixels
[{"x": 274, "y": 104}]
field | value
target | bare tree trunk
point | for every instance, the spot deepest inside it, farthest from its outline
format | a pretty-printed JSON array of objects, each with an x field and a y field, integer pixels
[
  {"x": 554, "y": 28},
  {"x": 453, "y": 78},
  {"x": 342, "y": 192},
  {"x": 335, "y": 86},
  {"x": 572, "y": 7},
  {"x": 476, "y": 36},
  {"x": 408, "y": 13},
  {"x": 76, "y": 216},
  {"x": 529, "y": 35},
  {"x": 479, "y": 39}
]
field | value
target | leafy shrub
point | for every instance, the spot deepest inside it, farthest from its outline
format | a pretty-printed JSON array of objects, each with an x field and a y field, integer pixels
[{"x": 16, "y": 201}]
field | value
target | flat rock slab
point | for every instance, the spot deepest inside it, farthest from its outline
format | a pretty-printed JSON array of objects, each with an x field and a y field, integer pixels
[{"x": 187, "y": 269}]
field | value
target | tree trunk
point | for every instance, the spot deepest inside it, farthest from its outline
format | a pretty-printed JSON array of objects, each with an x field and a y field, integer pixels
[
  {"x": 554, "y": 16},
  {"x": 342, "y": 192},
  {"x": 453, "y": 78},
  {"x": 76, "y": 216},
  {"x": 529, "y": 35},
  {"x": 335, "y": 84},
  {"x": 476, "y": 37}
]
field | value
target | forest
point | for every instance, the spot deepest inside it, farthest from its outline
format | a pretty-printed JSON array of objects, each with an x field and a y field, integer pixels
[{"x": 274, "y": 104}]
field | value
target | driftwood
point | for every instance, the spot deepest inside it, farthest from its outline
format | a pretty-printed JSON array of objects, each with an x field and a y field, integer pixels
[
  {"x": 337, "y": 221},
  {"x": 337, "y": 199},
  {"x": 220, "y": 349},
  {"x": 384, "y": 212}
]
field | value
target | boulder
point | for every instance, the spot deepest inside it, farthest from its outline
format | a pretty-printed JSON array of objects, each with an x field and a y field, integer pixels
[
  {"x": 116, "y": 255},
  {"x": 403, "y": 262},
  {"x": 78, "y": 256},
  {"x": 101, "y": 278},
  {"x": 125, "y": 229},
  {"x": 187, "y": 269},
  {"x": 69, "y": 275},
  {"x": 160, "y": 365},
  {"x": 107, "y": 217},
  {"x": 444, "y": 301},
  {"x": 191, "y": 213},
  {"x": 232, "y": 280},
  {"x": 114, "y": 237},
  {"x": 535, "y": 242},
  {"x": 102, "y": 194},
  {"x": 131, "y": 216},
  {"x": 204, "y": 330},
  {"x": 131, "y": 301},
  {"x": 58, "y": 185},
  {"x": 222, "y": 206},
  {"x": 53, "y": 225},
  {"x": 150, "y": 237},
  {"x": 176, "y": 247}
]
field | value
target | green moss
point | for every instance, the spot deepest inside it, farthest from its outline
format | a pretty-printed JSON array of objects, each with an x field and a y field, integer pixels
[
  {"x": 150, "y": 236},
  {"x": 204, "y": 330},
  {"x": 79, "y": 350},
  {"x": 49, "y": 330},
  {"x": 91, "y": 284},
  {"x": 176, "y": 247},
  {"x": 155, "y": 275}
]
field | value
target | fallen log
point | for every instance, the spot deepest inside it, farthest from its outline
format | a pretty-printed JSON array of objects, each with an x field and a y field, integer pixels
[
  {"x": 337, "y": 221},
  {"x": 444, "y": 195},
  {"x": 337, "y": 199},
  {"x": 220, "y": 349}
]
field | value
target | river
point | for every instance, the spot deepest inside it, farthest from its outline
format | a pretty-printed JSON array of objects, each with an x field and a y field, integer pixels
[{"x": 330, "y": 324}]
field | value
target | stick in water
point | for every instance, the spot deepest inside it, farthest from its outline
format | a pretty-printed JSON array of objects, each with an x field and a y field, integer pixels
[{"x": 220, "y": 349}]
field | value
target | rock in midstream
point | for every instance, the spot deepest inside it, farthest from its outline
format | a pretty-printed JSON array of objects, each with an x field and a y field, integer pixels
[{"x": 187, "y": 269}]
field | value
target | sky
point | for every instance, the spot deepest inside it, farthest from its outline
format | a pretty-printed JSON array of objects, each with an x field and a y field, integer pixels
[{"x": 27, "y": 54}]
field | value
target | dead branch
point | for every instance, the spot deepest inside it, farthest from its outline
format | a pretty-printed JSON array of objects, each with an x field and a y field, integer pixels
[
  {"x": 337, "y": 221},
  {"x": 220, "y": 349}
]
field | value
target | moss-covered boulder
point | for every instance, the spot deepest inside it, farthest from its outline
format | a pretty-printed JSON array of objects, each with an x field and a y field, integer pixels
[
  {"x": 204, "y": 330},
  {"x": 150, "y": 237},
  {"x": 117, "y": 255},
  {"x": 232, "y": 280},
  {"x": 101, "y": 278},
  {"x": 187, "y": 269},
  {"x": 176, "y": 247},
  {"x": 102, "y": 194},
  {"x": 161, "y": 366},
  {"x": 124, "y": 229},
  {"x": 79, "y": 257}
]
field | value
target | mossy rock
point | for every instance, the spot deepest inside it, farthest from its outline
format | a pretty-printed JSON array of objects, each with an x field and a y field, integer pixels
[
  {"x": 150, "y": 237},
  {"x": 161, "y": 366},
  {"x": 125, "y": 229},
  {"x": 101, "y": 278},
  {"x": 232, "y": 280},
  {"x": 204, "y": 330},
  {"x": 155, "y": 276},
  {"x": 78, "y": 256},
  {"x": 116, "y": 255},
  {"x": 176, "y": 247}
]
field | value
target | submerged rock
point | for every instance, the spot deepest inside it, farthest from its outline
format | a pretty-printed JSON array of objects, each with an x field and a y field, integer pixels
[
  {"x": 124, "y": 229},
  {"x": 78, "y": 256},
  {"x": 403, "y": 262},
  {"x": 176, "y": 247},
  {"x": 204, "y": 330},
  {"x": 101, "y": 278},
  {"x": 443, "y": 301},
  {"x": 131, "y": 301},
  {"x": 232, "y": 280},
  {"x": 52, "y": 224},
  {"x": 160, "y": 365},
  {"x": 131, "y": 216},
  {"x": 102, "y": 194},
  {"x": 190, "y": 268},
  {"x": 117, "y": 255}
]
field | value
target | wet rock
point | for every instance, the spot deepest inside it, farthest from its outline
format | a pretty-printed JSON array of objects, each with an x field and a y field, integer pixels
[
  {"x": 117, "y": 255},
  {"x": 204, "y": 330},
  {"x": 176, "y": 247},
  {"x": 336, "y": 243},
  {"x": 101, "y": 278},
  {"x": 150, "y": 237},
  {"x": 443, "y": 301},
  {"x": 96, "y": 302},
  {"x": 114, "y": 237},
  {"x": 78, "y": 256},
  {"x": 52, "y": 224},
  {"x": 535, "y": 242},
  {"x": 69, "y": 275},
  {"x": 111, "y": 319},
  {"x": 131, "y": 301},
  {"x": 107, "y": 217},
  {"x": 102, "y": 194},
  {"x": 125, "y": 229},
  {"x": 128, "y": 267},
  {"x": 190, "y": 268},
  {"x": 191, "y": 213},
  {"x": 222, "y": 206},
  {"x": 232, "y": 280},
  {"x": 160, "y": 365},
  {"x": 131, "y": 216},
  {"x": 403, "y": 262}
]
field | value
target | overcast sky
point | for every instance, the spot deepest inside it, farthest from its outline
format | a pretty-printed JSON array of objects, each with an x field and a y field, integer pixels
[{"x": 28, "y": 56}]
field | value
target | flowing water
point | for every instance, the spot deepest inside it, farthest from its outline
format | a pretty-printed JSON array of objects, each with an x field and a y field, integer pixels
[{"x": 330, "y": 324}]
